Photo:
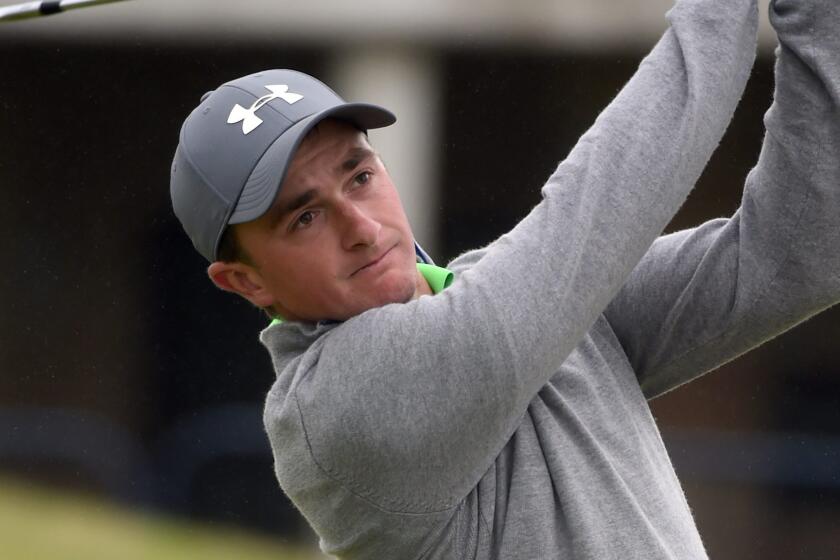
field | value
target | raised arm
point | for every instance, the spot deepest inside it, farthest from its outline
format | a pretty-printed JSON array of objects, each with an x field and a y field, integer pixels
[
  {"x": 426, "y": 394},
  {"x": 703, "y": 296}
]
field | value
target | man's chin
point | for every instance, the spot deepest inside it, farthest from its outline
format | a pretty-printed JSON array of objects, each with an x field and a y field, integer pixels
[
  {"x": 386, "y": 293},
  {"x": 396, "y": 296}
]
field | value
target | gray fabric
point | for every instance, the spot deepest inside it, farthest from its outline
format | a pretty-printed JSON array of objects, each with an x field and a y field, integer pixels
[{"x": 506, "y": 417}]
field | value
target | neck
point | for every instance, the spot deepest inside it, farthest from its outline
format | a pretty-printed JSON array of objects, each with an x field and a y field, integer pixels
[{"x": 421, "y": 287}]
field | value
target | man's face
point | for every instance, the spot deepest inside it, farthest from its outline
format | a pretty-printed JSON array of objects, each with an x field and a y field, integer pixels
[{"x": 336, "y": 241}]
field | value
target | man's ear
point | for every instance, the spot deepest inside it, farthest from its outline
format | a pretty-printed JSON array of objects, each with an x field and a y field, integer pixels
[{"x": 241, "y": 279}]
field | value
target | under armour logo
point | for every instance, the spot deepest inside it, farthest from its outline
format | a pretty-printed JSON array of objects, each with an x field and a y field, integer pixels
[{"x": 249, "y": 119}]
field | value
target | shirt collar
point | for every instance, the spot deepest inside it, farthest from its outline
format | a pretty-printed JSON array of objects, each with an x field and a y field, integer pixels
[{"x": 437, "y": 277}]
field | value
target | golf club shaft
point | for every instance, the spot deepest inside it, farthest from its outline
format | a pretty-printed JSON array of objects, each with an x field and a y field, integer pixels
[{"x": 45, "y": 8}]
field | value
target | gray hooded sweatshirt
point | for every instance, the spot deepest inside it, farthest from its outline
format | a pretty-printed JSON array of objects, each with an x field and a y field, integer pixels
[{"x": 506, "y": 417}]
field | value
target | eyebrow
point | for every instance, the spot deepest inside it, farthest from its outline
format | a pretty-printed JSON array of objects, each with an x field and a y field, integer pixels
[
  {"x": 354, "y": 157},
  {"x": 296, "y": 203}
]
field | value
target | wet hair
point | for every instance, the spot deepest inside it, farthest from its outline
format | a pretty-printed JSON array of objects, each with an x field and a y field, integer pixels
[{"x": 229, "y": 249}]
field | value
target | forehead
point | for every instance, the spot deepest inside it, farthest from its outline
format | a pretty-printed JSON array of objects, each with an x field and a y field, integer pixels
[{"x": 331, "y": 139}]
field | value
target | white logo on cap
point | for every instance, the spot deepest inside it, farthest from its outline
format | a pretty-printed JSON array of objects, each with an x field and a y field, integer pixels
[{"x": 249, "y": 119}]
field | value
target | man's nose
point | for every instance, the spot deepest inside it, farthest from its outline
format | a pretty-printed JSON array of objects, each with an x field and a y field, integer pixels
[{"x": 359, "y": 228}]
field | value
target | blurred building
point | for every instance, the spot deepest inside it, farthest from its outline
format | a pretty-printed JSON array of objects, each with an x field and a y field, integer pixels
[{"x": 122, "y": 370}]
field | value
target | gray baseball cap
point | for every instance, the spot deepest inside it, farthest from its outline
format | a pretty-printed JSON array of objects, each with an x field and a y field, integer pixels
[{"x": 235, "y": 147}]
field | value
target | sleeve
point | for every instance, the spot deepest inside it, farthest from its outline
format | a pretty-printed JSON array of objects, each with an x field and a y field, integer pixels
[
  {"x": 407, "y": 405},
  {"x": 702, "y": 297}
]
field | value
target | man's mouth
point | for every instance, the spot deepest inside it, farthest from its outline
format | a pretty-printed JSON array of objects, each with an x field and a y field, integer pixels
[{"x": 373, "y": 263}]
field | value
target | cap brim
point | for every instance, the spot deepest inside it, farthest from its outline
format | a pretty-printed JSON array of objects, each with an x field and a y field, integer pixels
[{"x": 260, "y": 190}]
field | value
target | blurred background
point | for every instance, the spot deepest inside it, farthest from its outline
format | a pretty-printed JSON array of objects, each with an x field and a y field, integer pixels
[{"x": 131, "y": 390}]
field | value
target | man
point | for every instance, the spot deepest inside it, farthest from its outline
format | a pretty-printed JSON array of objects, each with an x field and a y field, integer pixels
[{"x": 506, "y": 415}]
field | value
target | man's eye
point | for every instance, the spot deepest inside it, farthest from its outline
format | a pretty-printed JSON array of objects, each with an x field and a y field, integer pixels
[
  {"x": 363, "y": 177},
  {"x": 305, "y": 219}
]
